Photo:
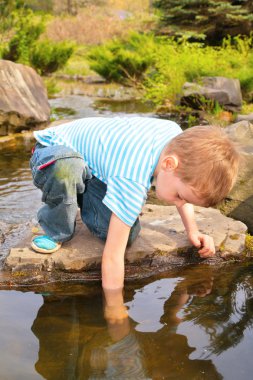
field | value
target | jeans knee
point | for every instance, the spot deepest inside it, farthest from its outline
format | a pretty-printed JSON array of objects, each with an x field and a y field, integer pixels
[{"x": 69, "y": 169}]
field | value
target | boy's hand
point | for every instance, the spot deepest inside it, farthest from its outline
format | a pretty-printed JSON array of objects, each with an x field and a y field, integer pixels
[
  {"x": 115, "y": 314},
  {"x": 204, "y": 242},
  {"x": 114, "y": 309},
  {"x": 117, "y": 322}
]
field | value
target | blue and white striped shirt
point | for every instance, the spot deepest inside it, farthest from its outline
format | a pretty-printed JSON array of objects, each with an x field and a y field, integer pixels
[{"x": 123, "y": 152}]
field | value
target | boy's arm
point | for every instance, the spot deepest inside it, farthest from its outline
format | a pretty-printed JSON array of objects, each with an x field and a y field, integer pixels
[
  {"x": 198, "y": 239},
  {"x": 113, "y": 255},
  {"x": 113, "y": 270}
]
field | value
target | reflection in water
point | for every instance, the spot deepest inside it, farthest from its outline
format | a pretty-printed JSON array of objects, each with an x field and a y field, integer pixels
[
  {"x": 17, "y": 193},
  {"x": 16, "y": 189},
  {"x": 194, "y": 323},
  {"x": 76, "y": 343},
  {"x": 228, "y": 311}
]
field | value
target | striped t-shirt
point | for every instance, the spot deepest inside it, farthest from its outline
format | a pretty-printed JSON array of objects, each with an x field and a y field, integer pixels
[{"x": 123, "y": 152}]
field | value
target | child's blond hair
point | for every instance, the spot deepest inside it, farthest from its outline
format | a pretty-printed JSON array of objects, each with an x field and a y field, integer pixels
[{"x": 208, "y": 161}]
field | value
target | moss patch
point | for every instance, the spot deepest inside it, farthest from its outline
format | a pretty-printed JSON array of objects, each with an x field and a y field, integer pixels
[
  {"x": 234, "y": 236},
  {"x": 227, "y": 206},
  {"x": 222, "y": 247},
  {"x": 249, "y": 245},
  {"x": 159, "y": 252},
  {"x": 19, "y": 274}
]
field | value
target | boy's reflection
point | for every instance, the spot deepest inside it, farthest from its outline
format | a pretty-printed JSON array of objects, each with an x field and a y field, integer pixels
[
  {"x": 168, "y": 352},
  {"x": 76, "y": 343}
]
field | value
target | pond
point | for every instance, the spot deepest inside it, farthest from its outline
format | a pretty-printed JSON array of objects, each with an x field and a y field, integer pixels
[{"x": 192, "y": 323}]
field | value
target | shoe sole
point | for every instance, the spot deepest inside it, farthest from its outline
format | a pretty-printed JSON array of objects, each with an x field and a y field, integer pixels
[{"x": 45, "y": 251}]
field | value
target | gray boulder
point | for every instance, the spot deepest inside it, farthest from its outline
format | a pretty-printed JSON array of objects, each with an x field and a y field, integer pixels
[
  {"x": 241, "y": 132},
  {"x": 23, "y": 98},
  {"x": 225, "y": 91},
  {"x": 239, "y": 204},
  {"x": 248, "y": 117}
]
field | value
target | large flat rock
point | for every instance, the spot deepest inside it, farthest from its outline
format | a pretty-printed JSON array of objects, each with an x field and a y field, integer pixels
[{"x": 161, "y": 242}]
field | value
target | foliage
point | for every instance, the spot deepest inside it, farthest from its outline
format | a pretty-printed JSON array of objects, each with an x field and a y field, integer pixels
[
  {"x": 71, "y": 7},
  {"x": 7, "y": 7},
  {"x": 178, "y": 62},
  {"x": 249, "y": 245},
  {"x": 124, "y": 60},
  {"x": 48, "y": 56},
  {"x": 163, "y": 65},
  {"x": 77, "y": 65},
  {"x": 40, "y": 5},
  {"x": 27, "y": 29},
  {"x": 24, "y": 45},
  {"x": 52, "y": 86},
  {"x": 216, "y": 19},
  {"x": 3, "y": 47}
]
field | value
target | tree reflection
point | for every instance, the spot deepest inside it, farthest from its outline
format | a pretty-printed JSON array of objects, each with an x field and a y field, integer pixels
[{"x": 228, "y": 311}]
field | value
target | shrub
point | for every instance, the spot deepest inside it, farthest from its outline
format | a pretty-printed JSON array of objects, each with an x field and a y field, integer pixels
[
  {"x": 27, "y": 28},
  {"x": 52, "y": 86},
  {"x": 48, "y": 56},
  {"x": 163, "y": 65},
  {"x": 124, "y": 60},
  {"x": 178, "y": 62}
]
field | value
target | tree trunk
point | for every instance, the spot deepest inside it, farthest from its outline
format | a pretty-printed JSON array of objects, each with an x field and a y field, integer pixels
[{"x": 72, "y": 7}]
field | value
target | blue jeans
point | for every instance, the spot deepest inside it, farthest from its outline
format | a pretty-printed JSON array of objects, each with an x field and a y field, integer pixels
[{"x": 66, "y": 184}]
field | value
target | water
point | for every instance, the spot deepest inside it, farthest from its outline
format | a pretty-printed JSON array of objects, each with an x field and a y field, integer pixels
[
  {"x": 193, "y": 323},
  {"x": 84, "y": 106}
]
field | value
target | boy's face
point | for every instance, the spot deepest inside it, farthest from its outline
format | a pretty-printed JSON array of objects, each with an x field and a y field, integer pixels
[{"x": 171, "y": 189}]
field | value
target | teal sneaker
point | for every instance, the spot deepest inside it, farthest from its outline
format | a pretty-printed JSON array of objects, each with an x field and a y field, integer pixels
[{"x": 44, "y": 244}]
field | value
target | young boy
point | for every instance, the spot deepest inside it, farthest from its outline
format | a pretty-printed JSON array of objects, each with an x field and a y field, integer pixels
[{"x": 106, "y": 166}]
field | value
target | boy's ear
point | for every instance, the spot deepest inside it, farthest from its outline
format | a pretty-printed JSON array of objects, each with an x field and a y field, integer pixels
[{"x": 170, "y": 162}]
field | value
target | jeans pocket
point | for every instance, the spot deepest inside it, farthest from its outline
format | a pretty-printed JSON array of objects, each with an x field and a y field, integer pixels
[{"x": 50, "y": 199}]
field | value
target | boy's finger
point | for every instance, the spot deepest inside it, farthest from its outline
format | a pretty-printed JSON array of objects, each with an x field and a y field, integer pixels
[
  {"x": 207, "y": 252},
  {"x": 196, "y": 242}
]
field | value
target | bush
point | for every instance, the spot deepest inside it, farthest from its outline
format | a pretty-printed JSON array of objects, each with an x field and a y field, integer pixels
[
  {"x": 27, "y": 28},
  {"x": 163, "y": 64},
  {"x": 124, "y": 60},
  {"x": 177, "y": 63},
  {"x": 48, "y": 56}
]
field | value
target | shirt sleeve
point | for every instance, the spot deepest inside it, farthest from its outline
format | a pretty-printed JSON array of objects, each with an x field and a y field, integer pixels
[{"x": 125, "y": 198}]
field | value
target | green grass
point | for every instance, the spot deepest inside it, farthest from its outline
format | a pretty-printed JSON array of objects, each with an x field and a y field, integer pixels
[
  {"x": 77, "y": 64},
  {"x": 247, "y": 108},
  {"x": 177, "y": 63}
]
